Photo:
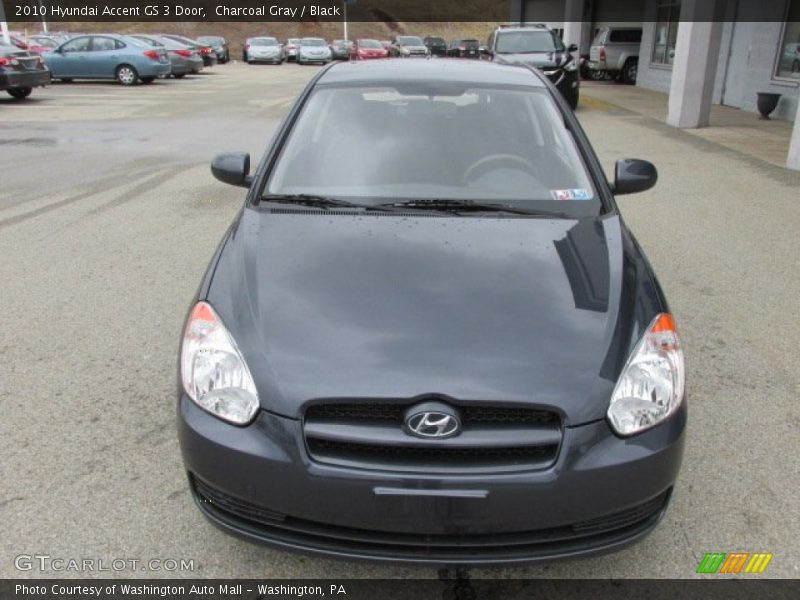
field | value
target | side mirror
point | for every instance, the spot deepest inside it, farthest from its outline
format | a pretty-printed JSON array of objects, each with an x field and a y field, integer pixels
[
  {"x": 572, "y": 48},
  {"x": 632, "y": 175},
  {"x": 485, "y": 50},
  {"x": 232, "y": 168}
]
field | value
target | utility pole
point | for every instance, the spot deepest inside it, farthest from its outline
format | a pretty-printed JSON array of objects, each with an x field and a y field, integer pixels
[
  {"x": 4, "y": 25},
  {"x": 344, "y": 14},
  {"x": 44, "y": 19}
]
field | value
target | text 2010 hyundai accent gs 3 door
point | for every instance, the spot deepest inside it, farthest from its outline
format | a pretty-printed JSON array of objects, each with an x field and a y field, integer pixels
[{"x": 448, "y": 350}]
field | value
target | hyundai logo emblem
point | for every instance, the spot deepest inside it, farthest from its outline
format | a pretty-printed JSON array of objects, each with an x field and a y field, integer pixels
[{"x": 432, "y": 420}]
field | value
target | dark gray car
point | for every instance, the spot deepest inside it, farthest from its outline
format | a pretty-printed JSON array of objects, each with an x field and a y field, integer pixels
[
  {"x": 21, "y": 71},
  {"x": 404, "y": 354},
  {"x": 184, "y": 60}
]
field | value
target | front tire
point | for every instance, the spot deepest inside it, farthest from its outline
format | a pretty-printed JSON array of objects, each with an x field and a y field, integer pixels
[
  {"x": 597, "y": 75},
  {"x": 796, "y": 66},
  {"x": 20, "y": 93},
  {"x": 126, "y": 75},
  {"x": 630, "y": 71}
]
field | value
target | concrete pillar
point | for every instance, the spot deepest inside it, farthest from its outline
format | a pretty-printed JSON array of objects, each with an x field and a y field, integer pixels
[
  {"x": 695, "y": 65},
  {"x": 793, "y": 161},
  {"x": 573, "y": 22}
]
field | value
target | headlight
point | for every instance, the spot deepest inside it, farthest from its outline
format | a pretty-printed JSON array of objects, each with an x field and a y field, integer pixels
[
  {"x": 571, "y": 65},
  {"x": 651, "y": 385},
  {"x": 405, "y": 51},
  {"x": 213, "y": 370}
]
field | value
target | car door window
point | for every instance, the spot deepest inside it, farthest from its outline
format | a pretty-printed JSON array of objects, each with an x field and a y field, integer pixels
[
  {"x": 103, "y": 44},
  {"x": 82, "y": 44}
]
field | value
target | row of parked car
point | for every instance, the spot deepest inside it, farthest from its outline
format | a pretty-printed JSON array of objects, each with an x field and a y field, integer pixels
[
  {"x": 268, "y": 49},
  {"x": 33, "y": 61}
]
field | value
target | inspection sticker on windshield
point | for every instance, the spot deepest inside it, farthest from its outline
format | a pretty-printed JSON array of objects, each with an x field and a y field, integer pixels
[{"x": 576, "y": 194}]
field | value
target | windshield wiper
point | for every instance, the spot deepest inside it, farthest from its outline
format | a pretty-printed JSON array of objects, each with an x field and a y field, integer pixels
[
  {"x": 312, "y": 200},
  {"x": 459, "y": 206}
]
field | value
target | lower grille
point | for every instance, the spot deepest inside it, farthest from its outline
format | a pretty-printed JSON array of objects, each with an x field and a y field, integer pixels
[
  {"x": 431, "y": 457},
  {"x": 492, "y": 439},
  {"x": 302, "y": 533}
]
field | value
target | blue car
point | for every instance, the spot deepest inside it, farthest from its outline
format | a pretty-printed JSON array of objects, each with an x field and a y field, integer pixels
[{"x": 108, "y": 56}]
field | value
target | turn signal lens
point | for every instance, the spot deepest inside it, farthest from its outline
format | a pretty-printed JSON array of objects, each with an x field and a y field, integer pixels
[
  {"x": 213, "y": 371},
  {"x": 651, "y": 386}
]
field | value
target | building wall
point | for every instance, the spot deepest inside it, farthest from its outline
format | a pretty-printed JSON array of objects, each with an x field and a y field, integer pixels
[
  {"x": 545, "y": 11},
  {"x": 746, "y": 63}
]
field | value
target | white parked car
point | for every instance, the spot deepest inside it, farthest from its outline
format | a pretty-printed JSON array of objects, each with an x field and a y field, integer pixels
[
  {"x": 264, "y": 49},
  {"x": 313, "y": 50}
]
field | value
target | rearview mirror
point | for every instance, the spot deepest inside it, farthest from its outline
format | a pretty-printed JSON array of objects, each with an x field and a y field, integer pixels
[
  {"x": 232, "y": 168},
  {"x": 632, "y": 175}
]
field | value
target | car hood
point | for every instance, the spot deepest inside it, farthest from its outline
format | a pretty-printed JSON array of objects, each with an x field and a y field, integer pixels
[
  {"x": 534, "y": 59},
  {"x": 515, "y": 310}
]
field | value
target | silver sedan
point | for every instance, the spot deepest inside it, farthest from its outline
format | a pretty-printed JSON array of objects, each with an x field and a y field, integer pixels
[{"x": 264, "y": 49}]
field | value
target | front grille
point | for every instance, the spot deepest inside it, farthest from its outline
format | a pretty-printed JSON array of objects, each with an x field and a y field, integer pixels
[
  {"x": 492, "y": 439},
  {"x": 302, "y": 533},
  {"x": 394, "y": 412}
]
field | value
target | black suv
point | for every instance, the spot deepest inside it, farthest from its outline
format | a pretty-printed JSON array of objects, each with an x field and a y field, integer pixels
[
  {"x": 540, "y": 47},
  {"x": 464, "y": 49},
  {"x": 436, "y": 46}
]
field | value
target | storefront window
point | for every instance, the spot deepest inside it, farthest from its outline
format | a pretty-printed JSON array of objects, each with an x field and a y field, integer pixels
[
  {"x": 667, "y": 21},
  {"x": 789, "y": 49}
]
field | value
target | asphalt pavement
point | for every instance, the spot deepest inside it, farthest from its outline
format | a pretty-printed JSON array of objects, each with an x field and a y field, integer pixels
[{"x": 109, "y": 215}]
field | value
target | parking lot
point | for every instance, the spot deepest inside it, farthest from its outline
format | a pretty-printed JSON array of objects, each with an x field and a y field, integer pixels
[{"x": 108, "y": 218}]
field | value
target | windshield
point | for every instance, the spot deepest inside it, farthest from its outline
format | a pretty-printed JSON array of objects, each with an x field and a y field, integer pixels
[
  {"x": 409, "y": 40},
  {"x": 313, "y": 42},
  {"x": 524, "y": 42},
  {"x": 370, "y": 44},
  {"x": 45, "y": 42},
  {"x": 264, "y": 41},
  {"x": 434, "y": 141}
]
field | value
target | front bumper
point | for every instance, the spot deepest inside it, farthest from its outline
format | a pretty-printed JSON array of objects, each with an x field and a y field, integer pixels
[
  {"x": 314, "y": 57},
  {"x": 263, "y": 57},
  {"x": 23, "y": 79},
  {"x": 259, "y": 483}
]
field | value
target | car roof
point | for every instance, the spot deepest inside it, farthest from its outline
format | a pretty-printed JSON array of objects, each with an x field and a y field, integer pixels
[{"x": 404, "y": 70}]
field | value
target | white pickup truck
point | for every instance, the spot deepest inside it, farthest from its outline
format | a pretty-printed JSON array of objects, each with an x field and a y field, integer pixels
[{"x": 615, "y": 52}]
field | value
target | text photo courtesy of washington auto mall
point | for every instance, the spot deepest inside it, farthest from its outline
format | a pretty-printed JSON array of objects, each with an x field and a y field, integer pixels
[{"x": 388, "y": 299}]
